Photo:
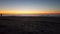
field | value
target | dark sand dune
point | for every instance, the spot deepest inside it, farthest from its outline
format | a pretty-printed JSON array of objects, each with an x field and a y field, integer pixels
[{"x": 29, "y": 25}]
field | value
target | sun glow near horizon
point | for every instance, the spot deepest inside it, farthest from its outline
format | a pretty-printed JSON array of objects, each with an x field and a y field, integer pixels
[
  {"x": 29, "y": 7},
  {"x": 27, "y": 12}
]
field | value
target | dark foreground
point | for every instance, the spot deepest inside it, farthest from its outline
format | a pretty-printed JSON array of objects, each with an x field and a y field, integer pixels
[{"x": 29, "y": 25}]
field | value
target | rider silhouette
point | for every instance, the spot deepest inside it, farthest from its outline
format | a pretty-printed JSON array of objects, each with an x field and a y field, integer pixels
[{"x": 1, "y": 14}]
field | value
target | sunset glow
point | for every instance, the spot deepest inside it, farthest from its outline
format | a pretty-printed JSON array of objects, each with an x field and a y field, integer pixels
[
  {"x": 29, "y": 7},
  {"x": 16, "y": 12},
  {"x": 28, "y": 12}
]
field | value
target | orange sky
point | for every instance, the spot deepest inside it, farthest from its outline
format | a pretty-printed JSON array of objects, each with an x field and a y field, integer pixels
[
  {"x": 29, "y": 7},
  {"x": 28, "y": 12},
  {"x": 10, "y": 11}
]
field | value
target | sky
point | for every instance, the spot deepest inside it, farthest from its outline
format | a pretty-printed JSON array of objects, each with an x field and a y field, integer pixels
[{"x": 29, "y": 6}]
